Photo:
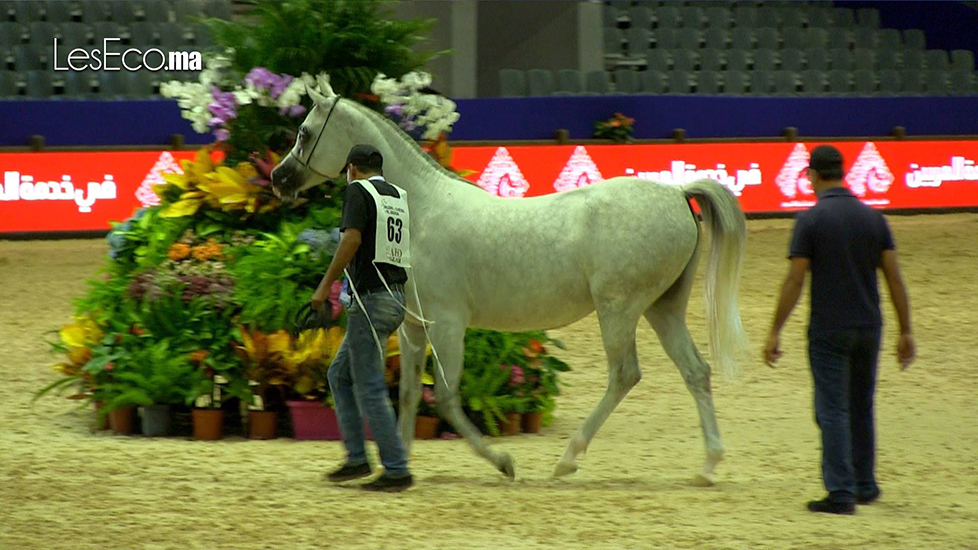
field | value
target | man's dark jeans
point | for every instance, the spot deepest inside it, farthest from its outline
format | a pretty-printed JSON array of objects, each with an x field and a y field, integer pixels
[{"x": 844, "y": 368}]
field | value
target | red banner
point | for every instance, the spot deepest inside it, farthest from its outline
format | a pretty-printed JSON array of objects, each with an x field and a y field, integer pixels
[
  {"x": 767, "y": 177},
  {"x": 73, "y": 191}
]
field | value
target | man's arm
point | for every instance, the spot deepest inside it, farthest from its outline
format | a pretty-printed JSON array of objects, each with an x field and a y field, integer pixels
[
  {"x": 901, "y": 301},
  {"x": 345, "y": 251},
  {"x": 790, "y": 293}
]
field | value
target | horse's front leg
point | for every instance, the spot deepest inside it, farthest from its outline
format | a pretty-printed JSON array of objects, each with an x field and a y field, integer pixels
[{"x": 411, "y": 340}]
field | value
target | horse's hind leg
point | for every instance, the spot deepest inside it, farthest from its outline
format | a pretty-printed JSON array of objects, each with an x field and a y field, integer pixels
[
  {"x": 670, "y": 325},
  {"x": 412, "y": 341},
  {"x": 618, "y": 334}
]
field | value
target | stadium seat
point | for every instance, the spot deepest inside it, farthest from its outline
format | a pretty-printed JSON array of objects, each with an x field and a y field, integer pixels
[
  {"x": 78, "y": 85},
  {"x": 27, "y": 12},
  {"x": 627, "y": 81},
  {"x": 641, "y": 18},
  {"x": 569, "y": 81},
  {"x": 690, "y": 39},
  {"x": 738, "y": 60},
  {"x": 817, "y": 59},
  {"x": 123, "y": 13},
  {"x": 187, "y": 10},
  {"x": 684, "y": 60},
  {"x": 962, "y": 82},
  {"x": 813, "y": 81},
  {"x": 765, "y": 60},
  {"x": 680, "y": 82},
  {"x": 539, "y": 82},
  {"x": 767, "y": 38},
  {"x": 693, "y": 17},
  {"x": 867, "y": 38},
  {"x": 865, "y": 82},
  {"x": 963, "y": 60},
  {"x": 718, "y": 18},
  {"x": 658, "y": 60},
  {"x": 143, "y": 83},
  {"x": 717, "y": 39},
  {"x": 156, "y": 11},
  {"x": 711, "y": 60},
  {"x": 668, "y": 17},
  {"x": 914, "y": 59},
  {"x": 937, "y": 83},
  {"x": 761, "y": 82},
  {"x": 914, "y": 39},
  {"x": 793, "y": 60},
  {"x": 840, "y": 59},
  {"x": 742, "y": 38},
  {"x": 144, "y": 34},
  {"x": 113, "y": 85},
  {"x": 793, "y": 18},
  {"x": 666, "y": 38},
  {"x": 890, "y": 82},
  {"x": 27, "y": 58},
  {"x": 817, "y": 38},
  {"x": 610, "y": 16},
  {"x": 768, "y": 17},
  {"x": 94, "y": 11},
  {"x": 707, "y": 82},
  {"x": 597, "y": 82},
  {"x": 734, "y": 82},
  {"x": 786, "y": 83},
  {"x": 639, "y": 40},
  {"x": 937, "y": 60},
  {"x": 202, "y": 36},
  {"x": 9, "y": 84},
  {"x": 868, "y": 18},
  {"x": 889, "y": 39},
  {"x": 795, "y": 38},
  {"x": 888, "y": 59},
  {"x": 11, "y": 34},
  {"x": 220, "y": 9},
  {"x": 820, "y": 18},
  {"x": 42, "y": 33},
  {"x": 745, "y": 16},
  {"x": 654, "y": 82},
  {"x": 841, "y": 37},
  {"x": 843, "y": 17},
  {"x": 839, "y": 81},
  {"x": 512, "y": 83},
  {"x": 612, "y": 38},
  {"x": 39, "y": 84},
  {"x": 57, "y": 11},
  {"x": 912, "y": 82},
  {"x": 864, "y": 59}
]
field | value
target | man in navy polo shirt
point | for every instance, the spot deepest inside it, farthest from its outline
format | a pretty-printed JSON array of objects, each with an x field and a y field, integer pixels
[{"x": 843, "y": 242}]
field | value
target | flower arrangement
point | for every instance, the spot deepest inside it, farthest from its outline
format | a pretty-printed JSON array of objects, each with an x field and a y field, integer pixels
[
  {"x": 618, "y": 128},
  {"x": 421, "y": 114},
  {"x": 297, "y": 364}
]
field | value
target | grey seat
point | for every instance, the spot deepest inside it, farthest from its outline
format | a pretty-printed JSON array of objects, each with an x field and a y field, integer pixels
[
  {"x": 795, "y": 38},
  {"x": 612, "y": 40},
  {"x": 738, "y": 60},
  {"x": 27, "y": 12},
  {"x": 666, "y": 38},
  {"x": 220, "y": 9},
  {"x": 654, "y": 82},
  {"x": 963, "y": 60},
  {"x": 718, "y": 18},
  {"x": 187, "y": 10},
  {"x": 693, "y": 17},
  {"x": 707, "y": 82},
  {"x": 843, "y": 17},
  {"x": 745, "y": 16},
  {"x": 817, "y": 38},
  {"x": 761, "y": 82},
  {"x": 11, "y": 34},
  {"x": 768, "y": 17},
  {"x": 123, "y": 13},
  {"x": 890, "y": 39},
  {"x": 718, "y": 39},
  {"x": 867, "y": 38},
  {"x": 793, "y": 18},
  {"x": 865, "y": 82},
  {"x": 820, "y": 18},
  {"x": 786, "y": 83},
  {"x": 840, "y": 59},
  {"x": 540, "y": 82},
  {"x": 42, "y": 33},
  {"x": 937, "y": 60},
  {"x": 842, "y": 37},
  {"x": 78, "y": 85},
  {"x": 105, "y": 29},
  {"x": 610, "y": 16},
  {"x": 9, "y": 84},
  {"x": 765, "y": 60},
  {"x": 768, "y": 38},
  {"x": 962, "y": 82},
  {"x": 711, "y": 60},
  {"x": 912, "y": 82},
  {"x": 639, "y": 40},
  {"x": 143, "y": 83},
  {"x": 938, "y": 83},
  {"x": 840, "y": 82},
  {"x": 597, "y": 82},
  {"x": 512, "y": 83},
  {"x": 888, "y": 59},
  {"x": 157, "y": 11},
  {"x": 793, "y": 60},
  {"x": 813, "y": 82},
  {"x": 742, "y": 38},
  {"x": 74, "y": 35},
  {"x": 668, "y": 17},
  {"x": 658, "y": 60},
  {"x": 113, "y": 84},
  {"x": 690, "y": 39},
  {"x": 817, "y": 59},
  {"x": 869, "y": 18},
  {"x": 680, "y": 82},
  {"x": 202, "y": 36},
  {"x": 57, "y": 12},
  {"x": 914, "y": 59},
  {"x": 864, "y": 59},
  {"x": 914, "y": 39},
  {"x": 890, "y": 82},
  {"x": 39, "y": 84},
  {"x": 627, "y": 82},
  {"x": 569, "y": 81},
  {"x": 641, "y": 18},
  {"x": 684, "y": 60},
  {"x": 144, "y": 34},
  {"x": 734, "y": 82},
  {"x": 27, "y": 58}
]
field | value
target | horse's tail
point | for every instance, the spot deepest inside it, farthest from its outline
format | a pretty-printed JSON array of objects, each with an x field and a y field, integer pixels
[{"x": 728, "y": 231}]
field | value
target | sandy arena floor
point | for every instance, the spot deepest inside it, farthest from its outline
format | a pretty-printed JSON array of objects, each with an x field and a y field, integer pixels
[{"x": 63, "y": 487}]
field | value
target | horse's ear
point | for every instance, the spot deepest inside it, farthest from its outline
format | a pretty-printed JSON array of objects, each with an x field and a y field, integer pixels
[
  {"x": 317, "y": 97},
  {"x": 324, "y": 88}
]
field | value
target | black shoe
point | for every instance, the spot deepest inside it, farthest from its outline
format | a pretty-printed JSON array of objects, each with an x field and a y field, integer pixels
[
  {"x": 348, "y": 472},
  {"x": 869, "y": 498},
  {"x": 832, "y": 507},
  {"x": 389, "y": 484}
]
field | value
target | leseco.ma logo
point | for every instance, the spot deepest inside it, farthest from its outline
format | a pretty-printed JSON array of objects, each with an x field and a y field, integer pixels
[{"x": 111, "y": 57}]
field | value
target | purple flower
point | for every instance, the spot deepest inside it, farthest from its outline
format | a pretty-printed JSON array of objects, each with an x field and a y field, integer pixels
[
  {"x": 293, "y": 111},
  {"x": 222, "y": 134},
  {"x": 278, "y": 85},
  {"x": 396, "y": 109},
  {"x": 224, "y": 107},
  {"x": 260, "y": 77},
  {"x": 516, "y": 376}
]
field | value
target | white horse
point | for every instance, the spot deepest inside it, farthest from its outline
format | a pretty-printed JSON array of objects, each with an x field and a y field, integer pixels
[{"x": 625, "y": 247}]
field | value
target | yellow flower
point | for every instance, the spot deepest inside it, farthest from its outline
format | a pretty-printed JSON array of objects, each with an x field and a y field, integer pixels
[
  {"x": 246, "y": 170},
  {"x": 83, "y": 332}
]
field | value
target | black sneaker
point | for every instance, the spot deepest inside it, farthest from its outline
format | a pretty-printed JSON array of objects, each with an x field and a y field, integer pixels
[
  {"x": 832, "y": 507},
  {"x": 869, "y": 498},
  {"x": 389, "y": 484},
  {"x": 348, "y": 472}
]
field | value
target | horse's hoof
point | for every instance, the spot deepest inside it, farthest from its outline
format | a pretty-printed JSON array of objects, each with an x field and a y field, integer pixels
[
  {"x": 565, "y": 468},
  {"x": 506, "y": 466},
  {"x": 704, "y": 479}
]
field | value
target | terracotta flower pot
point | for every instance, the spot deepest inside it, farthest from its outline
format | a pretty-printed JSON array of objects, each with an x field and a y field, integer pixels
[
  {"x": 532, "y": 422},
  {"x": 511, "y": 426},
  {"x": 121, "y": 420},
  {"x": 208, "y": 424},
  {"x": 426, "y": 427},
  {"x": 261, "y": 424}
]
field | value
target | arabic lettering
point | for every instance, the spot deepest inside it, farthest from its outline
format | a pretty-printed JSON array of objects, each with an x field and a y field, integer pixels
[
  {"x": 681, "y": 173},
  {"x": 960, "y": 169},
  {"x": 17, "y": 186}
]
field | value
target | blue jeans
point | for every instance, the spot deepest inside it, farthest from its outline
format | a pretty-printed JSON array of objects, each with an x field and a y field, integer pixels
[
  {"x": 844, "y": 369},
  {"x": 356, "y": 379}
]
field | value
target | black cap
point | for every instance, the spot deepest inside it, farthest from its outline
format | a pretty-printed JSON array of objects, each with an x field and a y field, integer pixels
[
  {"x": 364, "y": 156},
  {"x": 825, "y": 158}
]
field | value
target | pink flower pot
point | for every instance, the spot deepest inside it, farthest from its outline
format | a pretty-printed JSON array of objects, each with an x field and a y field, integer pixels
[{"x": 313, "y": 421}]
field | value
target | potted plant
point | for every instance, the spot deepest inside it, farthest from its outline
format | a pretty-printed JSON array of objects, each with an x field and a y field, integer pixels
[
  {"x": 426, "y": 423},
  {"x": 541, "y": 384},
  {"x": 266, "y": 372},
  {"x": 618, "y": 128},
  {"x": 306, "y": 360}
]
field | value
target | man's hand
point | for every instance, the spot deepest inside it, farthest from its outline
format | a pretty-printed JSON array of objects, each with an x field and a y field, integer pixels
[
  {"x": 772, "y": 350},
  {"x": 319, "y": 301},
  {"x": 906, "y": 351}
]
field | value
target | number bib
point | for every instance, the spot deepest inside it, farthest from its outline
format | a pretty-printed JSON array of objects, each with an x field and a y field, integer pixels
[{"x": 393, "y": 241}]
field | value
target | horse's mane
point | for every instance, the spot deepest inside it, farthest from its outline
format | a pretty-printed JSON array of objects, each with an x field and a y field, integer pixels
[{"x": 407, "y": 140}]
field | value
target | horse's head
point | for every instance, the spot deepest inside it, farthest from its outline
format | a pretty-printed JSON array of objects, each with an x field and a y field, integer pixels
[{"x": 321, "y": 146}]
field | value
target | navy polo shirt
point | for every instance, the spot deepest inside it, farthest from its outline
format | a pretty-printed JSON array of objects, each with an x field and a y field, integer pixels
[{"x": 845, "y": 240}]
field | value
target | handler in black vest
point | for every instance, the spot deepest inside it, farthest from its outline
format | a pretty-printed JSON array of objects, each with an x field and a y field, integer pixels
[
  {"x": 843, "y": 242},
  {"x": 356, "y": 376}
]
